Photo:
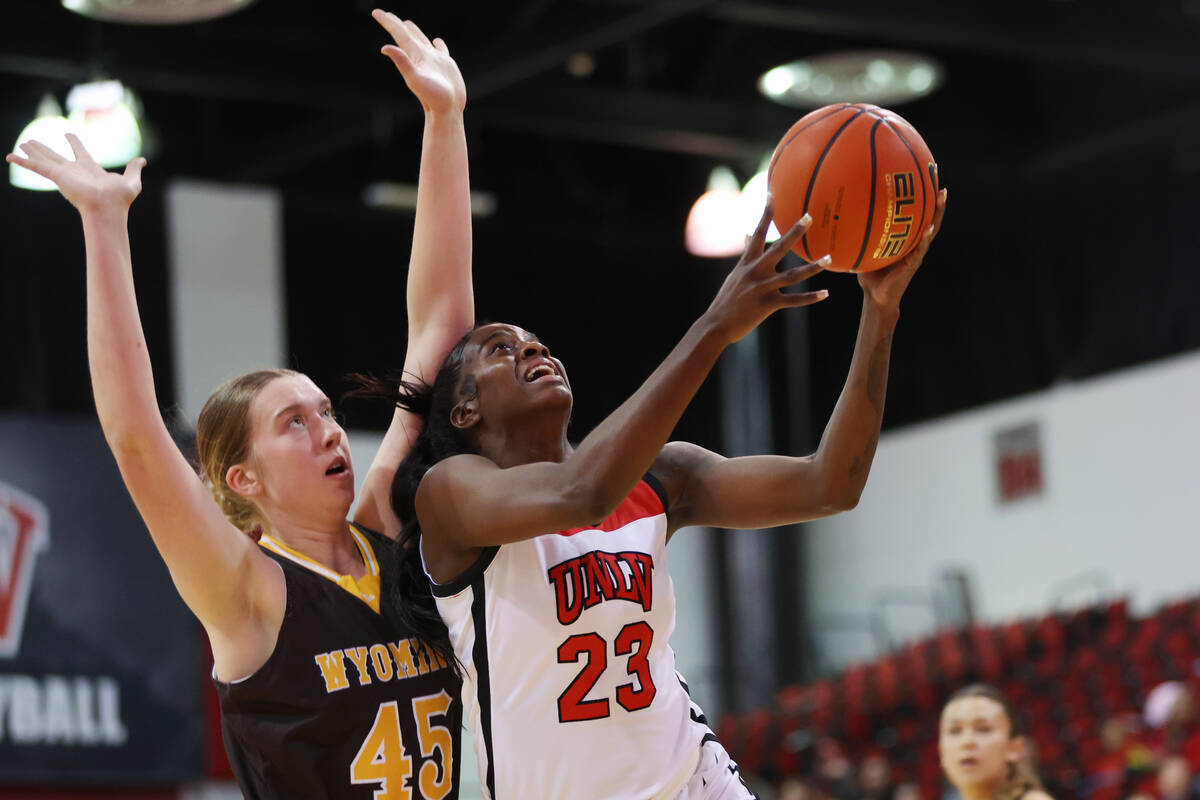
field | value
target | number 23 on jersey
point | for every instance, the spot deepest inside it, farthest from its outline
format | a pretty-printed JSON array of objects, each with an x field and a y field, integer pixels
[{"x": 634, "y": 641}]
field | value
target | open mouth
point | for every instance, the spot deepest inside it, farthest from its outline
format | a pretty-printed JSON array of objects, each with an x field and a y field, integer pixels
[
  {"x": 540, "y": 371},
  {"x": 338, "y": 468}
]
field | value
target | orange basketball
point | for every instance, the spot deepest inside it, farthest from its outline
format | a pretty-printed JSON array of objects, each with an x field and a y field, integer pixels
[{"x": 867, "y": 178}]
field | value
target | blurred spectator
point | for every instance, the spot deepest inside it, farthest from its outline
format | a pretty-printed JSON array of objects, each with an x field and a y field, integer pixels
[
  {"x": 875, "y": 778},
  {"x": 1159, "y": 703},
  {"x": 835, "y": 773},
  {"x": 1175, "y": 780},
  {"x": 1107, "y": 781},
  {"x": 796, "y": 789},
  {"x": 906, "y": 791},
  {"x": 1173, "y": 713}
]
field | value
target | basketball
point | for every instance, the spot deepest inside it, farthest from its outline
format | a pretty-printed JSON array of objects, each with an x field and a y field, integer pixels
[{"x": 867, "y": 178}]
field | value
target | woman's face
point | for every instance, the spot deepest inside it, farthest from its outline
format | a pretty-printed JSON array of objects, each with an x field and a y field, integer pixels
[
  {"x": 299, "y": 463},
  {"x": 975, "y": 742},
  {"x": 513, "y": 373}
]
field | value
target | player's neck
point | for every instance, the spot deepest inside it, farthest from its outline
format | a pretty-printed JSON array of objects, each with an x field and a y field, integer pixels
[
  {"x": 978, "y": 791},
  {"x": 541, "y": 439},
  {"x": 331, "y": 547}
]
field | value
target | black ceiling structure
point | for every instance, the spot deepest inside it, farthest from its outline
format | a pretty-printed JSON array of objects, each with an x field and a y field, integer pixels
[{"x": 1068, "y": 133}]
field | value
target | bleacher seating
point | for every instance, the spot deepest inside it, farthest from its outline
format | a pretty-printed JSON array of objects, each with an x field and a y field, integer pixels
[{"x": 1064, "y": 673}]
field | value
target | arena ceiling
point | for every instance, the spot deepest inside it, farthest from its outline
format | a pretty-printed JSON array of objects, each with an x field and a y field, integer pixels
[{"x": 1067, "y": 132}]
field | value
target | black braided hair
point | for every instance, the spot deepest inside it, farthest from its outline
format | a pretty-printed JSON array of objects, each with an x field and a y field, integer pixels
[{"x": 409, "y": 601}]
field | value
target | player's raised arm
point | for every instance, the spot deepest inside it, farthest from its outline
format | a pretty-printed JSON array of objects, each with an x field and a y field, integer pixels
[
  {"x": 220, "y": 573},
  {"x": 762, "y": 491},
  {"x": 477, "y": 500},
  {"x": 440, "y": 302}
]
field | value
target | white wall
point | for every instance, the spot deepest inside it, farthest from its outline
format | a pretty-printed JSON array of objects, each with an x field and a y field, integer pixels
[
  {"x": 1120, "y": 464},
  {"x": 225, "y": 248}
]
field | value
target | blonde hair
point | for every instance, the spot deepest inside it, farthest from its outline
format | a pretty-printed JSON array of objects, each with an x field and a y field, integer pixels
[
  {"x": 1021, "y": 777},
  {"x": 223, "y": 439}
]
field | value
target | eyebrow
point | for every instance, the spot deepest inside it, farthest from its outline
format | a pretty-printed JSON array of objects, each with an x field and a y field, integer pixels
[
  {"x": 286, "y": 410},
  {"x": 293, "y": 407},
  {"x": 494, "y": 334}
]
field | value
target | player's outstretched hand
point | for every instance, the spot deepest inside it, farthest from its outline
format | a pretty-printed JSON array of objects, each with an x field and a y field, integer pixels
[
  {"x": 86, "y": 184},
  {"x": 754, "y": 290},
  {"x": 886, "y": 286},
  {"x": 427, "y": 67}
]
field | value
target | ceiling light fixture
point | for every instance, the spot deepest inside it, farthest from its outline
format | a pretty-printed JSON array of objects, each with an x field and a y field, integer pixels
[
  {"x": 105, "y": 116},
  {"x": 883, "y": 77},
  {"x": 714, "y": 225},
  {"x": 50, "y": 128},
  {"x": 155, "y": 12},
  {"x": 754, "y": 199}
]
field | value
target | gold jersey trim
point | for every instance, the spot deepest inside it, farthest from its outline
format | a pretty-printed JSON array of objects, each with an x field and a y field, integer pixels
[{"x": 365, "y": 588}]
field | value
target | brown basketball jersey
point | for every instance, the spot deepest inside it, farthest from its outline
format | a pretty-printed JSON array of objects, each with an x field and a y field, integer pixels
[{"x": 347, "y": 705}]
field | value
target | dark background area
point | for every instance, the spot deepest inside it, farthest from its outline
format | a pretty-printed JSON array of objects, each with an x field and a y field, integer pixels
[{"x": 1066, "y": 133}]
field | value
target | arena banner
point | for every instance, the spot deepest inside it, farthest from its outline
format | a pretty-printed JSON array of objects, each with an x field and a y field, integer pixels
[{"x": 101, "y": 664}]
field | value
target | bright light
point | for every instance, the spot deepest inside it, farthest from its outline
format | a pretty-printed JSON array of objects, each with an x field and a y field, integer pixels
[
  {"x": 51, "y": 129},
  {"x": 777, "y": 81},
  {"x": 714, "y": 228},
  {"x": 154, "y": 12},
  {"x": 884, "y": 77},
  {"x": 754, "y": 198},
  {"x": 880, "y": 71},
  {"x": 920, "y": 78},
  {"x": 105, "y": 115}
]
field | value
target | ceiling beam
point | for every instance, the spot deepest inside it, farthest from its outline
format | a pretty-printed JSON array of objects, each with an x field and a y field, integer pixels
[
  {"x": 301, "y": 147},
  {"x": 1091, "y": 41}
]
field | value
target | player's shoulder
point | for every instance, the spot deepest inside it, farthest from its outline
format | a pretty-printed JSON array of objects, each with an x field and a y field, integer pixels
[
  {"x": 1036, "y": 794},
  {"x": 682, "y": 460},
  {"x": 677, "y": 464}
]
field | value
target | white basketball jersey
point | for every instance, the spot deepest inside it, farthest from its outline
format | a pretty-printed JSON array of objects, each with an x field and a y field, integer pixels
[{"x": 569, "y": 681}]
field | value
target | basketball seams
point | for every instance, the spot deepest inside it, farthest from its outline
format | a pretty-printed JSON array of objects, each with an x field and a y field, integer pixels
[
  {"x": 869, "y": 227},
  {"x": 783, "y": 146},
  {"x": 812, "y": 181},
  {"x": 920, "y": 170}
]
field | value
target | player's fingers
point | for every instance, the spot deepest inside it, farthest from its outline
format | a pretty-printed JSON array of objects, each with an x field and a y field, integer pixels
[
  {"x": 36, "y": 150},
  {"x": 913, "y": 260},
  {"x": 134, "y": 169},
  {"x": 81, "y": 153},
  {"x": 394, "y": 26},
  {"x": 939, "y": 210},
  {"x": 797, "y": 274},
  {"x": 417, "y": 33},
  {"x": 786, "y": 242},
  {"x": 756, "y": 240},
  {"x": 40, "y": 167},
  {"x": 398, "y": 57},
  {"x": 440, "y": 44},
  {"x": 802, "y": 298}
]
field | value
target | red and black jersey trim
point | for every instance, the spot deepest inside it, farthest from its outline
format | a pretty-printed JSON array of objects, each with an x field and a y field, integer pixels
[{"x": 648, "y": 499}]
